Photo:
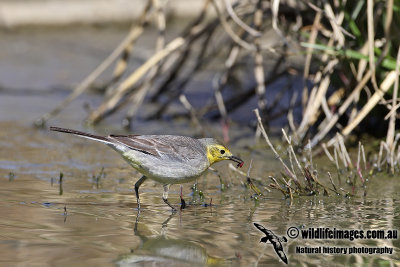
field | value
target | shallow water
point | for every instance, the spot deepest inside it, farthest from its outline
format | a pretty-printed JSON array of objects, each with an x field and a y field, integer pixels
[
  {"x": 91, "y": 219},
  {"x": 86, "y": 222}
]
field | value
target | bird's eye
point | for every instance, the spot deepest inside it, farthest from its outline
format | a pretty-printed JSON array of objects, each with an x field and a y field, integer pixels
[{"x": 222, "y": 151}]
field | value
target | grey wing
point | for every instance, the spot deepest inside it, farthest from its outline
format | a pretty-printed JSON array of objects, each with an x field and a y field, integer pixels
[
  {"x": 136, "y": 142},
  {"x": 180, "y": 148},
  {"x": 177, "y": 148}
]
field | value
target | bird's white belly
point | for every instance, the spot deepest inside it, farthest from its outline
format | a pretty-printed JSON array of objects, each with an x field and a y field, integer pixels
[{"x": 161, "y": 171}]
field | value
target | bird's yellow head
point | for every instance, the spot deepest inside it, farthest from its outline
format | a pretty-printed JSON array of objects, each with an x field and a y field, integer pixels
[{"x": 217, "y": 152}]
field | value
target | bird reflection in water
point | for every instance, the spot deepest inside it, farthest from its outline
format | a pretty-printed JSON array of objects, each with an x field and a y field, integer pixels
[{"x": 163, "y": 251}]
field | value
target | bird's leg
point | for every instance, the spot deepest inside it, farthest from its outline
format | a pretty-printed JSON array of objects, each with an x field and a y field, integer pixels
[
  {"x": 137, "y": 185},
  {"x": 165, "y": 197},
  {"x": 183, "y": 203}
]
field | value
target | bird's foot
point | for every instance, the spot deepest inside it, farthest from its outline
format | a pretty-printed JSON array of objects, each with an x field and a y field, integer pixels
[
  {"x": 169, "y": 204},
  {"x": 138, "y": 205},
  {"x": 183, "y": 203}
]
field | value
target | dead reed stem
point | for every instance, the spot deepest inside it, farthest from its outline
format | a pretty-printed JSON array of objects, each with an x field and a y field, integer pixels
[
  {"x": 311, "y": 40},
  {"x": 376, "y": 97},
  {"x": 137, "y": 98},
  {"x": 258, "y": 60},
  {"x": 328, "y": 124},
  {"x": 272, "y": 147},
  {"x": 133, "y": 35},
  {"x": 133, "y": 78},
  {"x": 289, "y": 141}
]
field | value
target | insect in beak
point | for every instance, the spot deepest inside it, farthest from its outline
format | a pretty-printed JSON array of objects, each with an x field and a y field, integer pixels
[{"x": 237, "y": 160}]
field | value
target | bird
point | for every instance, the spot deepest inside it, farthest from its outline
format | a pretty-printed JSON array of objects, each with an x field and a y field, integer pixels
[
  {"x": 167, "y": 159},
  {"x": 274, "y": 240}
]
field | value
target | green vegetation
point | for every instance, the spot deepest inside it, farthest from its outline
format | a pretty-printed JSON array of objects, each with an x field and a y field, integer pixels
[{"x": 347, "y": 50}]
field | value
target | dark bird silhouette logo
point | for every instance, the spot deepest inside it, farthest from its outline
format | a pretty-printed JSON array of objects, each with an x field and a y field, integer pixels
[{"x": 274, "y": 240}]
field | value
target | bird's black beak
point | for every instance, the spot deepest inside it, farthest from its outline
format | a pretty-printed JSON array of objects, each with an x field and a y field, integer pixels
[{"x": 237, "y": 160}]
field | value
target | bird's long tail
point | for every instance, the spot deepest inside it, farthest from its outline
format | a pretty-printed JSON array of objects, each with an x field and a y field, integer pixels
[{"x": 82, "y": 134}]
